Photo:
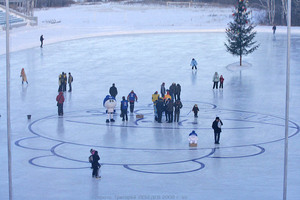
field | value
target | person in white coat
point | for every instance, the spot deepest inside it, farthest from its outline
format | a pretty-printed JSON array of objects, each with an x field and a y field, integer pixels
[{"x": 216, "y": 80}]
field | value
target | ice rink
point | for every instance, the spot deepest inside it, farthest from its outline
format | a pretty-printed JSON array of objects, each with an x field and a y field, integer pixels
[{"x": 142, "y": 159}]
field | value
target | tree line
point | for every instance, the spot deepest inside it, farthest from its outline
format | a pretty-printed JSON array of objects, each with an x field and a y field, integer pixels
[{"x": 276, "y": 10}]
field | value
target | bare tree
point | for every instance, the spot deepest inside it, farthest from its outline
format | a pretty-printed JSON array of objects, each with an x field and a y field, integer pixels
[
  {"x": 270, "y": 7},
  {"x": 283, "y": 11}
]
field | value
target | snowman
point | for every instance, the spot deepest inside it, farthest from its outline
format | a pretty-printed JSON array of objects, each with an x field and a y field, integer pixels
[{"x": 109, "y": 103}]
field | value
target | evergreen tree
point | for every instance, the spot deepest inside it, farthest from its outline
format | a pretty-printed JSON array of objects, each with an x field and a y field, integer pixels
[{"x": 240, "y": 33}]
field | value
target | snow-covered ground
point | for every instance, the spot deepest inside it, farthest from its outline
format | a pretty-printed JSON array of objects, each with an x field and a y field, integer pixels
[
  {"x": 80, "y": 21},
  {"x": 139, "y": 47}
]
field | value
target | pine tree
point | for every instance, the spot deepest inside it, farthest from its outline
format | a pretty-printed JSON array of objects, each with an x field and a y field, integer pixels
[{"x": 240, "y": 33}]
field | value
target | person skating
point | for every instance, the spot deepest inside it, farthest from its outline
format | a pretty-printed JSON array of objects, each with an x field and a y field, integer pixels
[
  {"x": 96, "y": 165},
  {"x": 177, "y": 106},
  {"x": 274, "y": 29},
  {"x": 216, "y": 80},
  {"x": 194, "y": 63},
  {"x": 132, "y": 97},
  {"x": 221, "y": 81},
  {"x": 113, "y": 91},
  {"x": 124, "y": 107},
  {"x": 169, "y": 110},
  {"x": 155, "y": 97},
  {"x": 162, "y": 90},
  {"x": 42, "y": 41},
  {"x": 160, "y": 109},
  {"x": 216, "y": 125},
  {"x": 109, "y": 103},
  {"x": 60, "y": 103},
  {"x": 70, "y": 80},
  {"x": 177, "y": 92},
  {"x": 195, "y": 110},
  {"x": 23, "y": 75},
  {"x": 92, "y": 151}
]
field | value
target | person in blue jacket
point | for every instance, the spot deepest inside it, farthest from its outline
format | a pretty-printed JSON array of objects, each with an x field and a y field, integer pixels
[
  {"x": 132, "y": 98},
  {"x": 194, "y": 63},
  {"x": 124, "y": 107}
]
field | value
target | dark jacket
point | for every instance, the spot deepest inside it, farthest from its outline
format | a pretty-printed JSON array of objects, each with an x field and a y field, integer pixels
[
  {"x": 113, "y": 91},
  {"x": 177, "y": 105},
  {"x": 160, "y": 105},
  {"x": 178, "y": 89},
  {"x": 169, "y": 105},
  {"x": 95, "y": 163},
  {"x": 215, "y": 126}
]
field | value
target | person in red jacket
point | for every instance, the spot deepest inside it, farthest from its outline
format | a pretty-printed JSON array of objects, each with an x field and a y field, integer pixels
[
  {"x": 221, "y": 81},
  {"x": 60, "y": 102}
]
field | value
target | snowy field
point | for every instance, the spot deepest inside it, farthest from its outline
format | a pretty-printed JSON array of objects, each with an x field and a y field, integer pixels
[{"x": 138, "y": 47}]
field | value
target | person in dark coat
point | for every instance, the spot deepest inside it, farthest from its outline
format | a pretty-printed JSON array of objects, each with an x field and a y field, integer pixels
[
  {"x": 195, "y": 110},
  {"x": 169, "y": 109},
  {"x": 42, "y": 41},
  {"x": 160, "y": 108},
  {"x": 70, "y": 80},
  {"x": 162, "y": 90},
  {"x": 124, "y": 107},
  {"x": 113, "y": 91},
  {"x": 172, "y": 90},
  {"x": 274, "y": 29},
  {"x": 96, "y": 165},
  {"x": 177, "y": 91},
  {"x": 216, "y": 125},
  {"x": 60, "y": 103},
  {"x": 177, "y": 106}
]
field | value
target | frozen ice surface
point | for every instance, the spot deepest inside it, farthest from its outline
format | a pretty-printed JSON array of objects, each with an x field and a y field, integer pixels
[{"x": 140, "y": 158}]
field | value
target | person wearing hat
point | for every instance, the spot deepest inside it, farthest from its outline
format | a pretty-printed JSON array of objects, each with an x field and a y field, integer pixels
[
  {"x": 193, "y": 137},
  {"x": 194, "y": 63},
  {"x": 216, "y": 125}
]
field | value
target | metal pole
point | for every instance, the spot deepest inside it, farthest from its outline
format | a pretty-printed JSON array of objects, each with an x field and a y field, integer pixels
[
  {"x": 287, "y": 102},
  {"x": 8, "y": 102}
]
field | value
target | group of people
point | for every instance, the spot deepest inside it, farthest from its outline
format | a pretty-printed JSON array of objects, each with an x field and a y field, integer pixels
[
  {"x": 63, "y": 80},
  {"x": 216, "y": 79},
  {"x": 110, "y": 103},
  {"x": 169, "y": 103}
]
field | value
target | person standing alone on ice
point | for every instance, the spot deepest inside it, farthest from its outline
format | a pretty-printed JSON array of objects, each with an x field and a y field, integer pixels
[
  {"x": 216, "y": 80},
  {"x": 194, "y": 63},
  {"x": 132, "y": 98},
  {"x": 60, "y": 103},
  {"x": 42, "y": 41},
  {"x": 23, "y": 75},
  {"x": 96, "y": 165},
  {"x": 113, "y": 91},
  {"x": 216, "y": 125}
]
